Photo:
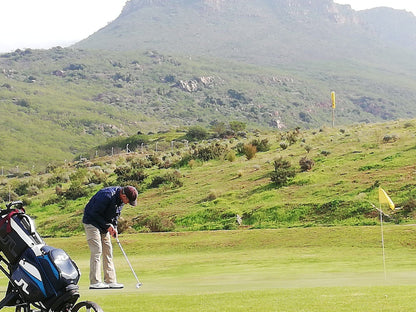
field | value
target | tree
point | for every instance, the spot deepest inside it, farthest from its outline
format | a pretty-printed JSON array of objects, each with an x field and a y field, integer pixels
[
  {"x": 237, "y": 126},
  {"x": 196, "y": 133},
  {"x": 283, "y": 172}
]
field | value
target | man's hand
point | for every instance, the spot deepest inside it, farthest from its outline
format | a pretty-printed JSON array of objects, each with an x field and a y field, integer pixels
[{"x": 113, "y": 231}]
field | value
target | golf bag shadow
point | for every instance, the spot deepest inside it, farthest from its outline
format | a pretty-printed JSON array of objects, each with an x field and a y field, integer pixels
[{"x": 39, "y": 275}]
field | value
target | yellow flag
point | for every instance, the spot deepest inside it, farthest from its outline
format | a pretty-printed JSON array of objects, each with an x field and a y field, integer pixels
[
  {"x": 333, "y": 99},
  {"x": 383, "y": 198}
]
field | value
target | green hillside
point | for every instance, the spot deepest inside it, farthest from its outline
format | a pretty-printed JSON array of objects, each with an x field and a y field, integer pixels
[
  {"x": 59, "y": 104},
  {"x": 334, "y": 176}
]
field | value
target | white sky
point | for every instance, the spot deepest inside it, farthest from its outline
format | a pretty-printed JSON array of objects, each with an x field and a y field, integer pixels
[
  {"x": 47, "y": 23},
  {"x": 408, "y": 5}
]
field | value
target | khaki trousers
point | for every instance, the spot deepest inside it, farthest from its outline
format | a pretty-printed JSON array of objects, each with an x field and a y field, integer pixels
[{"x": 100, "y": 245}]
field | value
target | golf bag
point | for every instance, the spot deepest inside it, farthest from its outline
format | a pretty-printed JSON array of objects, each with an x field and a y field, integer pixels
[{"x": 37, "y": 272}]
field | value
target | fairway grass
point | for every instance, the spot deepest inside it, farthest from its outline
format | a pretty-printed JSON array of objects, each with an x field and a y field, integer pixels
[{"x": 299, "y": 269}]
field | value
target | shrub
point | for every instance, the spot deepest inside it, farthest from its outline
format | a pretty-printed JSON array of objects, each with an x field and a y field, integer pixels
[
  {"x": 76, "y": 190},
  {"x": 7, "y": 195},
  {"x": 283, "y": 145},
  {"x": 283, "y": 172},
  {"x": 239, "y": 148},
  {"x": 97, "y": 176},
  {"x": 230, "y": 156},
  {"x": 191, "y": 163},
  {"x": 261, "y": 145},
  {"x": 80, "y": 175},
  {"x": 33, "y": 190},
  {"x": 140, "y": 162},
  {"x": 127, "y": 173},
  {"x": 213, "y": 151},
  {"x": 292, "y": 137},
  {"x": 390, "y": 138},
  {"x": 250, "y": 151},
  {"x": 237, "y": 126},
  {"x": 212, "y": 195},
  {"x": 155, "y": 223},
  {"x": 306, "y": 164},
  {"x": 408, "y": 207},
  {"x": 171, "y": 179},
  {"x": 57, "y": 177},
  {"x": 22, "y": 188},
  {"x": 196, "y": 133}
]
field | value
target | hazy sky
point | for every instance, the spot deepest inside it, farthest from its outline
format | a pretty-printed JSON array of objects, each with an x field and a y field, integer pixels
[
  {"x": 48, "y": 23},
  {"x": 408, "y": 5}
]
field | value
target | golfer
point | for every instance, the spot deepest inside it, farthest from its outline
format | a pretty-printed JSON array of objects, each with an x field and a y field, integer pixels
[{"x": 100, "y": 221}]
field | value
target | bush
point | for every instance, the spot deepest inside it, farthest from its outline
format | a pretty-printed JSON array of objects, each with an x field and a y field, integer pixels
[
  {"x": 408, "y": 208},
  {"x": 76, "y": 190},
  {"x": 283, "y": 172},
  {"x": 283, "y": 145},
  {"x": 8, "y": 196},
  {"x": 237, "y": 126},
  {"x": 306, "y": 164},
  {"x": 261, "y": 145},
  {"x": 230, "y": 156},
  {"x": 97, "y": 177},
  {"x": 57, "y": 178},
  {"x": 213, "y": 151},
  {"x": 250, "y": 151},
  {"x": 127, "y": 173},
  {"x": 155, "y": 223},
  {"x": 390, "y": 138},
  {"x": 171, "y": 179},
  {"x": 197, "y": 133},
  {"x": 133, "y": 142},
  {"x": 22, "y": 188}
]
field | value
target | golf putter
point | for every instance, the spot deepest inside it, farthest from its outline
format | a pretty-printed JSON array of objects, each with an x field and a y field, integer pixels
[{"x": 127, "y": 259}]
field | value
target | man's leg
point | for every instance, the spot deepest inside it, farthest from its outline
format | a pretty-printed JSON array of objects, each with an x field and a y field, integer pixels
[
  {"x": 94, "y": 243},
  {"x": 108, "y": 265}
]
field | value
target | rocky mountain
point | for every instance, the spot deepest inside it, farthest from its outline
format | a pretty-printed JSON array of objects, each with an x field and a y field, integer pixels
[
  {"x": 268, "y": 32},
  {"x": 171, "y": 64}
]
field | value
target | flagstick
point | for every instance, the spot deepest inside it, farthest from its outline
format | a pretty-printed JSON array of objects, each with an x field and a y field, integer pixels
[{"x": 382, "y": 244}]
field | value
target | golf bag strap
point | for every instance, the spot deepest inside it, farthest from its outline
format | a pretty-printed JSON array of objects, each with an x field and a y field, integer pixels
[{"x": 6, "y": 219}]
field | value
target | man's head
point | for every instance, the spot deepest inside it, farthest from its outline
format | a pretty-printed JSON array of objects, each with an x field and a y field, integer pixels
[{"x": 131, "y": 194}]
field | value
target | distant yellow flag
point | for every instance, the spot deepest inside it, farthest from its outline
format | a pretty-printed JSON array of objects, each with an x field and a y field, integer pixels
[
  {"x": 383, "y": 198},
  {"x": 333, "y": 99}
]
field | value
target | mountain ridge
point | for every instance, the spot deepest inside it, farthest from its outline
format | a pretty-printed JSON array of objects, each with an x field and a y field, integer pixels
[
  {"x": 164, "y": 65},
  {"x": 240, "y": 32}
]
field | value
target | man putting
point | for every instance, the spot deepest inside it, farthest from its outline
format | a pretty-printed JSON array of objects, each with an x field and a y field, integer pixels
[{"x": 100, "y": 221}]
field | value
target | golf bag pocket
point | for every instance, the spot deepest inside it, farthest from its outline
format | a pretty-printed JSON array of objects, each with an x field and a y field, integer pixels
[
  {"x": 17, "y": 233},
  {"x": 60, "y": 270},
  {"x": 43, "y": 273},
  {"x": 28, "y": 277}
]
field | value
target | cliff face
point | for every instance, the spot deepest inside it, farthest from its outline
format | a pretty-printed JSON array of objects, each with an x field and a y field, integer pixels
[
  {"x": 300, "y": 8},
  {"x": 267, "y": 32}
]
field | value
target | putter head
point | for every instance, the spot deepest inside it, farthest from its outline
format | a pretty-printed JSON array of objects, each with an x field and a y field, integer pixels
[{"x": 138, "y": 285}]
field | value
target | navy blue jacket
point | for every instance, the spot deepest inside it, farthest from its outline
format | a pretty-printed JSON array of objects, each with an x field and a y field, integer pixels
[{"x": 104, "y": 208}]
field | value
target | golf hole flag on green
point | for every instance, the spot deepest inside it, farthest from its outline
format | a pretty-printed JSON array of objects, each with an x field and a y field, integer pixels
[{"x": 383, "y": 198}]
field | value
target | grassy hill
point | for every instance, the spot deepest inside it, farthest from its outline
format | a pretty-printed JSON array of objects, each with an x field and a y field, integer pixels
[
  {"x": 165, "y": 65},
  {"x": 58, "y": 104},
  {"x": 205, "y": 185}
]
